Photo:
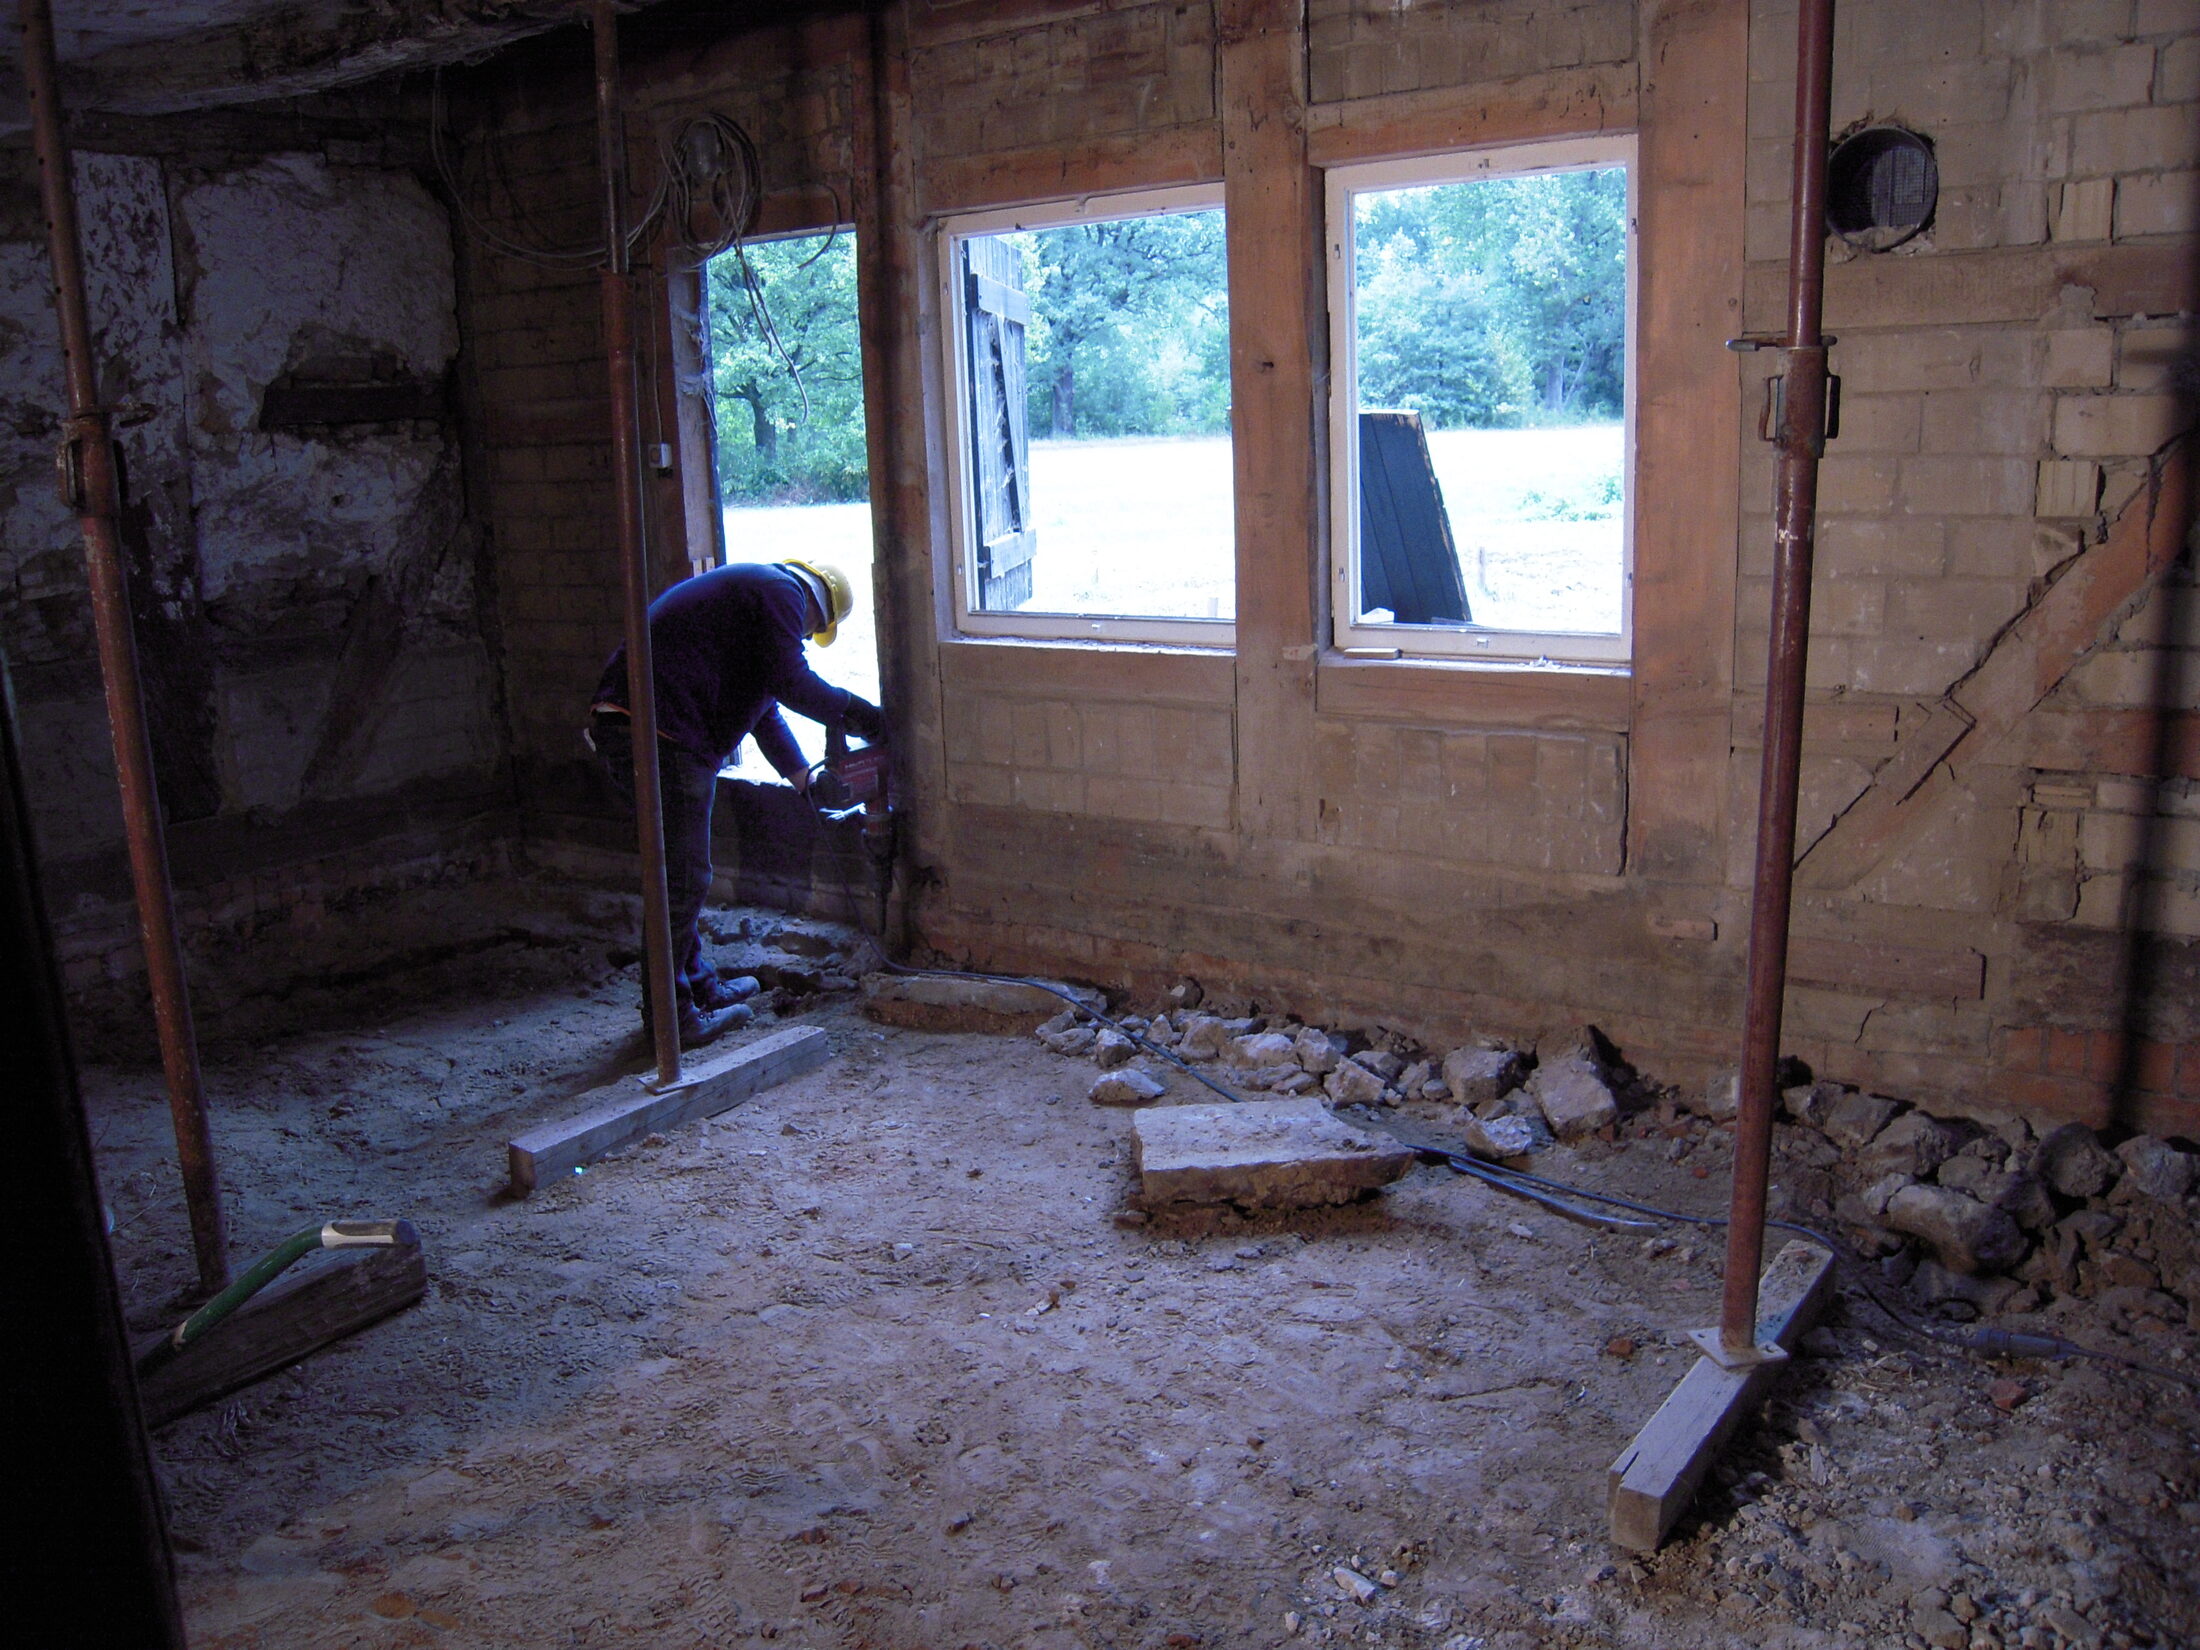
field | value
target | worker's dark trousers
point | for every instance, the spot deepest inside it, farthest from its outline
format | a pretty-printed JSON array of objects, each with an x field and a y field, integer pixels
[{"x": 689, "y": 784}]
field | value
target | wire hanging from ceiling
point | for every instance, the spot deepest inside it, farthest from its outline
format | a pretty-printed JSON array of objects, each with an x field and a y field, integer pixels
[{"x": 709, "y": 186}]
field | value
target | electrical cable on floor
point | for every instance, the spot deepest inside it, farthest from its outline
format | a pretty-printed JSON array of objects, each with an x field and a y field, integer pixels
[{"x": 1984, "y": 1341}]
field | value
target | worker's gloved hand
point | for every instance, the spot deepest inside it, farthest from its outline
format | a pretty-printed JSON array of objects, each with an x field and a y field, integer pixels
[{"x": 865, "y": 720}]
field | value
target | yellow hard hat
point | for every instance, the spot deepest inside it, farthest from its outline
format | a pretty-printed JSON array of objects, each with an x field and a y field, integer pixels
[{"x": 839, "y": 593}]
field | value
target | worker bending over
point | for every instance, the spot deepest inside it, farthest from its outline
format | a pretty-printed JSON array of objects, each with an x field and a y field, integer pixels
[{"x": 727, "y": 653}]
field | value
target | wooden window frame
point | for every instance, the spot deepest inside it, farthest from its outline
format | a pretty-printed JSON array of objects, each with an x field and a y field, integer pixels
[
  {"x": 950, "y": 232},
  {"x": 1510, "y": 650}
]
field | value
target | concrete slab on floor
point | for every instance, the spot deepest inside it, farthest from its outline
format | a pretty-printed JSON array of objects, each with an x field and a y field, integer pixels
[
  {"x": 932, "y": 1002},
  {"x": 1277, "y": 1154}
]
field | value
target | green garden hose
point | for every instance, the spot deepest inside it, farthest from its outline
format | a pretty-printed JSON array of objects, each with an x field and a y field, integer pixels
[{"x": 333, "y": 1234}]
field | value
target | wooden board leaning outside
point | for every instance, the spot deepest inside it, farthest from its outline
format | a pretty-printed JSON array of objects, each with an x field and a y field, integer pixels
[{"x": 625, "y": 1111}]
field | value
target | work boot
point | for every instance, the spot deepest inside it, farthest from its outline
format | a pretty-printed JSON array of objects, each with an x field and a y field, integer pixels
[
  {"x": 718, "y": 993},
  {"x": 706, "y": 1025}
]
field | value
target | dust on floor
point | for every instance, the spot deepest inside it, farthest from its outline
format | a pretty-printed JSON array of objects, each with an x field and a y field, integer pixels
[{"x": 867, "y": 1362}]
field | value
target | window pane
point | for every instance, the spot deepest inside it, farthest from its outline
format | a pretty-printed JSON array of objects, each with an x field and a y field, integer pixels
[
  {"x": 786, "y": 367},
  {"x": 1098, "y": 377},
  {"x": 1490, "y": 327}
]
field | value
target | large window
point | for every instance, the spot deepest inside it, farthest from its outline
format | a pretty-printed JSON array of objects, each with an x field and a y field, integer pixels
[
  {"x": 1481, "y": 309},
  {"x": 1089, "y": 358},
  {"x": 786, "y": 380}
]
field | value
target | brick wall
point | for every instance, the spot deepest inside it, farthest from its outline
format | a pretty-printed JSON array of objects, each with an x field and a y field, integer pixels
[
  {"x": 1364, "y": 48},
  {"x": 1997, "y": 905},
  {"x": 2013, "y": 383}
]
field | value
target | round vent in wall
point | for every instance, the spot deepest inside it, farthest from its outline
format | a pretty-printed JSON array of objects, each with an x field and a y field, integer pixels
[{"x": 1881, "y": 186}]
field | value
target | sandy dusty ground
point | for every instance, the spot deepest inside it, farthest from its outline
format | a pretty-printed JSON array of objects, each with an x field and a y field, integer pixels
[{"x": 867, "y": 1362}]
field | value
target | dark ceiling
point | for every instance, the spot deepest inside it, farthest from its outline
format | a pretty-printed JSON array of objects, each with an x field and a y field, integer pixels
[{"x": 147, "y": 57}]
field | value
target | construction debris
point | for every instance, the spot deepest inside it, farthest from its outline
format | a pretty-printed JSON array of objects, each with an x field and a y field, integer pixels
[
  {"x": 936, "y": 1002},
  {"x": 1129, "y": 1086},
  {"x": 1278, "y": 1154}
]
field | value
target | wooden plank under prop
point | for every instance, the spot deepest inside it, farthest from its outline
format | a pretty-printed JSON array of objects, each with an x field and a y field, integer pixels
[
  {"x": 1657, "y": 1475},
  {"x": 627, "y": 1110},
  {"x": 281, "y": 1325}
]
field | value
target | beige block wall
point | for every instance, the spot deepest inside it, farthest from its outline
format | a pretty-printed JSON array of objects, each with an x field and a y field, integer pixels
[{"x": 1999, "y": 754}]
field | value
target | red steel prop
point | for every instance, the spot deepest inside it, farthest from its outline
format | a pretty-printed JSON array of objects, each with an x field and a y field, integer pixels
[
  {"x": 1802, "y": 440},
  {"x": 626, "y": 475},
  {"x": 91, "y": 482}
]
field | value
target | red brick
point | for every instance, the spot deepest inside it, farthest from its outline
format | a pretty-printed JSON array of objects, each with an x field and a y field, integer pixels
[
  {"x": 2156, "y": 1066},
  {"x": 2021, "y": 1048},
  {"x": 2066, "y": 1052}
]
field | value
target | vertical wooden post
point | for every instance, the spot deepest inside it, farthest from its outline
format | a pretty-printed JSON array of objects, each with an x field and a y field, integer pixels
[{"x": 1279, "y": 379}]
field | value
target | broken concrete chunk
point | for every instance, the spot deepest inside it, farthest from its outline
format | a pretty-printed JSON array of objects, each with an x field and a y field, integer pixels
[
  {"x": 1111, "y": 1049},
  {"x": 1269, "y": 1077},
  {"x": 1720, "y": 1098},
  {"x": 2026, "y": 1201},
  {"x": 2073, "y": 1163},
  {"x": 1265, "y": 1048},
  {"x": 1382, "y": 1063},
  {"x": 2156, "y": 1168},
  {"x": 1436, "y": 1089},
  {"x": 931, "y": 1002},
  {"x": 1056, "y": 1026},
  {"x": 1352, "y": 1084},
  {"x": 1299, "y": 1082},
  {"x": 1264, "y": 1153},
  {"x": 1808, "y": 1103},
  {"x": 1477, "y": 1074},
  {"x": 1075, "y": 1041},
  {"x": 1316, "y": 1051},
  {"x": 1913, "y": 1144},
  {"x": 1571, "y": 1094},
  {"x": 1852, "y": 1120},
  {"x": 1965, "y": 1235},
  {"x": 1501, "y": 1138},
  {"x": 1415, "y": 1078},
  {"x": 1186, "y": 993},
  {"x": 1205, "y": 1037},
  {"x": 1975, "y": 1177},
  {"x": 1128, "y": 1086}
]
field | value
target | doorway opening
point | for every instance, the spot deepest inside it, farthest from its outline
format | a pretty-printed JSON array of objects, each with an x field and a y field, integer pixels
[{"x": 793, "y": 468}]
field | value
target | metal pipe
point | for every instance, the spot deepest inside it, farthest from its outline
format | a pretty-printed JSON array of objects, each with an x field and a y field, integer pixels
[
  {"x": 1802, "y": 440},
  {"x": 626, "y": 476},
  {"x": 91, "y": 481}
]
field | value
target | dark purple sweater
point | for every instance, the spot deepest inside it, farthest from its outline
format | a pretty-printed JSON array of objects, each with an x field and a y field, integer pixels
[{"x": 726, "y": 647}]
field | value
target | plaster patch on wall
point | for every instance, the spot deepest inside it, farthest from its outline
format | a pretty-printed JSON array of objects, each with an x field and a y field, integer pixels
[{"x": 284, "y": 262}]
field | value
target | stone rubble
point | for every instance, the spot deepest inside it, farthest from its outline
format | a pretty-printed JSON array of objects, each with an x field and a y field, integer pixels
[{"x": 1974, "y": 1218}]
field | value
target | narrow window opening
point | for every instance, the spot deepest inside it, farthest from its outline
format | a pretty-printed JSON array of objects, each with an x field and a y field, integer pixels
[{"x": 786, "y": 376}]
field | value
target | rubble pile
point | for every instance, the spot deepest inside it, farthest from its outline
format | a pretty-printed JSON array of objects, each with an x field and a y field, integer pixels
[
  {"x": 792, "y": 958},
  {"x": 1977, "y": 1219}
]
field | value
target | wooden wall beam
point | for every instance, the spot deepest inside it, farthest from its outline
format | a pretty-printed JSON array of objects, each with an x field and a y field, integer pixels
[
  {"x": 1280, "y": 385},
  {"x": 1694, "y": 148}
]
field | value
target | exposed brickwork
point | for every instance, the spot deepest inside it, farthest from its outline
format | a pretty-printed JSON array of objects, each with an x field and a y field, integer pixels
[
  {"x": 1165, "y": 763},
  {"x": 1098, "y": 71},
  {"x": 2009, "y": 384},
  {"x": 1546, "y": 802},
  {"x": 1363, "y": 48}
]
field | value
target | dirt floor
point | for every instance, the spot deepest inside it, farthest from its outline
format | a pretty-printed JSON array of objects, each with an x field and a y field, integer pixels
[{"x": 868, "y": 1362}]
